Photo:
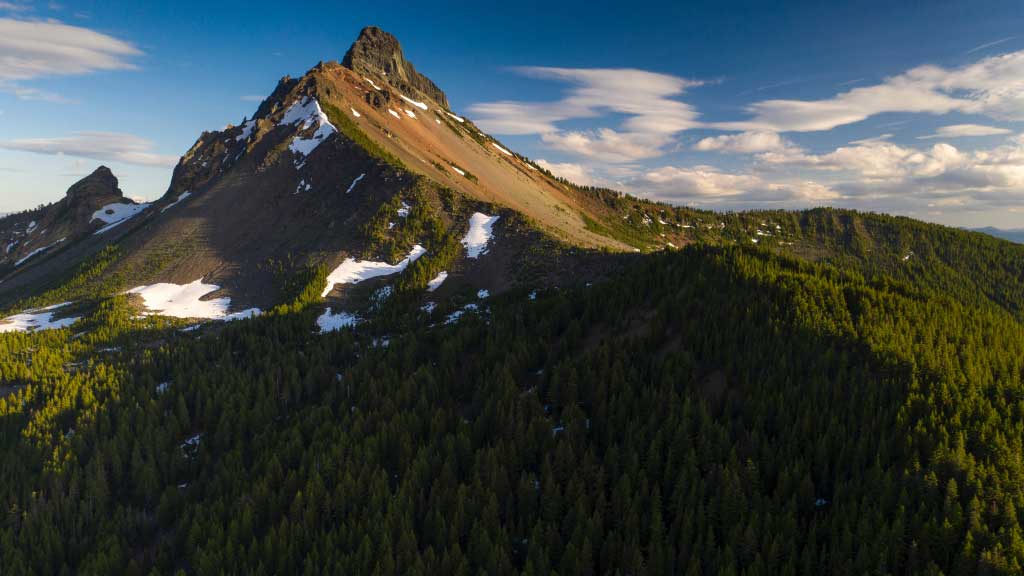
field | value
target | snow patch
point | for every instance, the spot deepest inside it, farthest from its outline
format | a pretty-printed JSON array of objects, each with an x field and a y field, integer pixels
[
  {"x": 354, "y": 182},
  {"x": 308, "y": 112},
  {"x": 247, "y": 129},
  {"x": 481, "y": 294},
  {"x": 182, "y": 196},
  {"x": 37, "y": 251},
  {"x": 329, "y": 322},
  {"x": 436, "y": 282},
  {"x": 419, "y": 105},
  {"x": 372, "y": 83},
  {"x": 458, "y": 171},
  {"x": 403, "y": 212},
  {"x": 480, "y": 233},
  {"x": 393, "y": 113},
  {"x": 31, "y": 226},
  {"x": 458, "y": 119},
  {"x": 185, "y": 301},
  {"x": 500, "y": 149},
  {"x": 409, "y": 113},
  {"x": 355, "y": 112},
  {"x": 36, "y": 319},
  {"x": 114, "y": 214},
  {"x": 352, "y": 271}
]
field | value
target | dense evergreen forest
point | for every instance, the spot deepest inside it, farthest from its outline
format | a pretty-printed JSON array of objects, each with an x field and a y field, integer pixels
[{"x": 721, "y": 409}]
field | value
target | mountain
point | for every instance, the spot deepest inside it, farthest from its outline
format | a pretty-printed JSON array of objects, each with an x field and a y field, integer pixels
[
  {"x": 92, "y": 206},
  {"x": 1016, "y": 235},
  {"x": 357, "y": 335}
]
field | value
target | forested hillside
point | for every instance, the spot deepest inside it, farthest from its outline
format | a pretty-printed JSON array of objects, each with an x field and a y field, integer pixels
[{"x": 713, "y": 410}]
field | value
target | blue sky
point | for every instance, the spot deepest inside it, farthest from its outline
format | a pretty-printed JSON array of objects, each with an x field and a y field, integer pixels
[{"x": 908, "y": 107}]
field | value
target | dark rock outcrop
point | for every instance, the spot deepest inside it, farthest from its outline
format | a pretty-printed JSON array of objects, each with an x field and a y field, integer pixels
[{"x": 379, "y": 53}]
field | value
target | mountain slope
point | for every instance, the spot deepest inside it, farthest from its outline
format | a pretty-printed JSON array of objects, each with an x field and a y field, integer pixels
[{"x": 297, "y": 185}]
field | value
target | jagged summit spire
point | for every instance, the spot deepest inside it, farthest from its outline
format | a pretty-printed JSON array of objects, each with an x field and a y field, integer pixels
[{"x": 378, "y": 52}]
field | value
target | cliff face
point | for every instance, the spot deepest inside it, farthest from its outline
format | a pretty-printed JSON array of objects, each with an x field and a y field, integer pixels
[{"x": 377, "y": 52}]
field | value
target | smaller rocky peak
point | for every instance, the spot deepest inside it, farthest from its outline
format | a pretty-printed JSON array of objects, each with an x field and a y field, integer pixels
[{"x": 100, "y": 184}]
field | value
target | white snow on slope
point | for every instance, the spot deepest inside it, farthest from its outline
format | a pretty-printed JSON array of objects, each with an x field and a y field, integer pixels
[
  {"x": 31, "y": 226},
  {"x": 355, "y": 112},
  {"x": 329, "y": 322},
  {"x": 37, "y": 251},
  {"x": 458, "y": 119},
  {"x": 354, "y": 182},
  {"x": 479, "y": 234},
  {"x": 36, "y": 319},
  {"x": 114, "y": 214},
  {"x": 372, "y": 83},
  {"x": 181, "y": 197},
  {"x": 483, "y": 294},
  {"x": 437, "y": 281},
  {"x": 457, "y": 170},
  {"x": 403, "y": 212},
  {"x": 247, "y": 129},
  {"x": 419, "y": 105},
  {"x": 500, "y": 149},
  {"x": 352, "y": 271},
  {"x": 393, "y": 113},
  {"x": 409, "y": 113},
  {"x": 308, "y": 112},
  {"x": 184, "y": 301}
]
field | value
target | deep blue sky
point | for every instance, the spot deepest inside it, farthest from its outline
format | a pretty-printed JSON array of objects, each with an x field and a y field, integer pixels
[{"x": 199, "y": 61}]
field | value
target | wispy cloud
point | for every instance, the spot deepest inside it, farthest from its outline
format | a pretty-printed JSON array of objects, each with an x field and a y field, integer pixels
[
  {"x": 963, "y": 130},
  {"x": 645, "y": 98},
  {"x": 102, "y": 146},
  {"x": 991, "y": 44},
  {"x": 251, "y": 98},
  {"x": 15, "y": 7},
  {"x": 576, "y": 173},
  {"x": 32, "y": 49},
  {"x": 709, "y": 186},
  {"x": 993, "y": 86},
  {"x": 744, "y": 143}
]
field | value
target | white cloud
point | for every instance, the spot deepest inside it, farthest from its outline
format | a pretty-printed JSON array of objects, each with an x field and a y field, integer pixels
[
  {"x": 575, "y": 173},
  {"x": 993, "y": 86},
  {"x": 14, "y": 7},
  {"x": 103, "y": 146},
  {"x": 33, "y": 49},
  {"x": 645, "y": 98},
  {"x": 707, "y": 185},
  {"x": 940, "y": 175},
  {"x": 962, "y": 130},
  {"x": 608, "y": 145},
  {"x": 745, "y": 143}
]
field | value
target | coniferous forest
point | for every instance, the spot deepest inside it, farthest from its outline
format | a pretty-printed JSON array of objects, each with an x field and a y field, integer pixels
[{"x": 712, "y": 410}]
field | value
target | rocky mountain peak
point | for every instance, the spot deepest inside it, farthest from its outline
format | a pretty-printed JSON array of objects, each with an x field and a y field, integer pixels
[
  {"x": 378, "y": 52},
  {"x": 100, "y": 184}
]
